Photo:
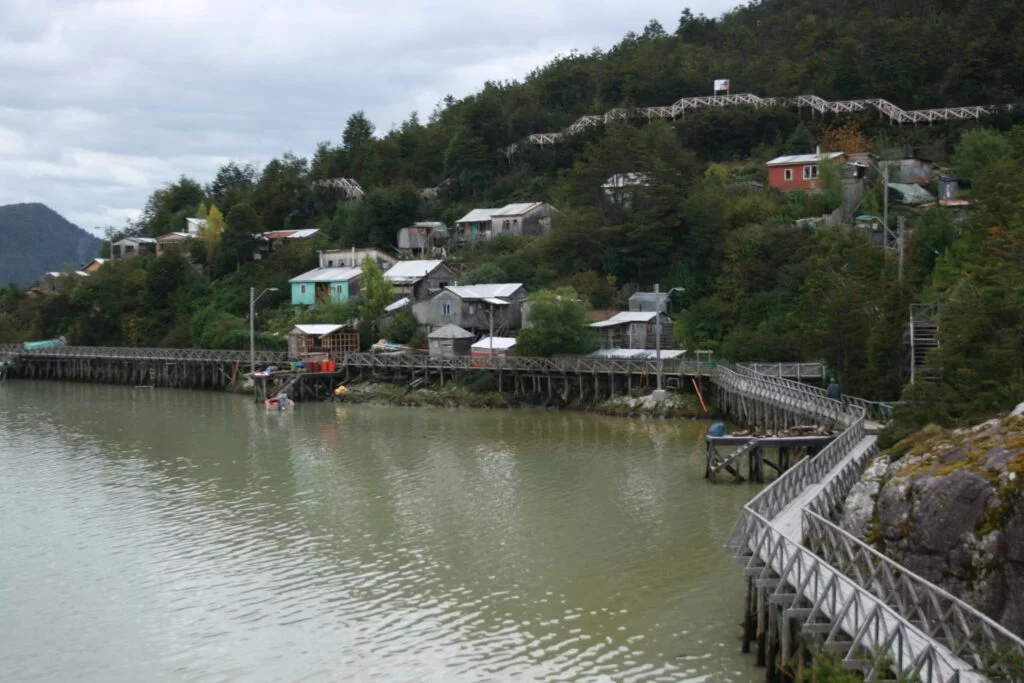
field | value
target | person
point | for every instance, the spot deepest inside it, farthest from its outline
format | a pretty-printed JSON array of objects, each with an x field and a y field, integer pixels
[
  {"x": 834, "y": 390},
  {"x": 282, "y": 401}
]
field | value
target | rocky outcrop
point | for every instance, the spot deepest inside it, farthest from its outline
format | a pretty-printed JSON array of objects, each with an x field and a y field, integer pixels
[{"x": 948, "y": 506}]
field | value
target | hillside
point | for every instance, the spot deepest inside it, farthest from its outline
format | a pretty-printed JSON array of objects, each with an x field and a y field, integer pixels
[{"x": 35, "y": 239}]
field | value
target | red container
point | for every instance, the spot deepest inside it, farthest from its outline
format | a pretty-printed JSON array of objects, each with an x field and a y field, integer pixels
[
  {"x": 313, "y": 366},
  {"x": 332, "y": 366}
]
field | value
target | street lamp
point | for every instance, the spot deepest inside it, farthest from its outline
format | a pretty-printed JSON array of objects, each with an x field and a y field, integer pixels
[
  {"x": 253, "y": 298},
  {"x": 657, "y": 323}
]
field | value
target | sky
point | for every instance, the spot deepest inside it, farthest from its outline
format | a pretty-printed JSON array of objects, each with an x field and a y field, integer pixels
[{"x": 103, "y": 101}]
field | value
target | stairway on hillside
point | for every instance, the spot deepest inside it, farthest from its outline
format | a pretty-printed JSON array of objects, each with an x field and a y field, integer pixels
[{"x": 924, "y": 338}]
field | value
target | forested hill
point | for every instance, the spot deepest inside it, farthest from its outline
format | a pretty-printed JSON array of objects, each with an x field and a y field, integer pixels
[{"x": 34, "y": 239}]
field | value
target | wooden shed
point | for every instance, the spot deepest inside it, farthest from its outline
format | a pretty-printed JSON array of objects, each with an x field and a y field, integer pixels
[
  {"x": 334, "y": 340},
  {"x": 450, "y": 341}
]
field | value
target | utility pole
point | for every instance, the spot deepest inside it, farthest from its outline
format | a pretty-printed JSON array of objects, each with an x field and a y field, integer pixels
[
  {"x": 885, "y": 199},
  {"x": 657, "y": 329},
  {"x": 252, "y": 325},
  {"x": 899, "y": 245}
]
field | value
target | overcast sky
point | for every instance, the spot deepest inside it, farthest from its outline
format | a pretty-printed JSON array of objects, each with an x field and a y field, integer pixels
[{"x": 102, "y": 101}]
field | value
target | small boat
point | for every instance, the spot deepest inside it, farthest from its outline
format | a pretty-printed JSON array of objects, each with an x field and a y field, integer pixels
[{"x": 271, "y": 404}]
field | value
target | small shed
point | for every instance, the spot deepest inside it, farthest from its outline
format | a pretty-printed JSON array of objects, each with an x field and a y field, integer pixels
[
  {"x": 493, "y": 347},
  {"x": 450, "y": 341},
  {"x": 334, "y": 340}
]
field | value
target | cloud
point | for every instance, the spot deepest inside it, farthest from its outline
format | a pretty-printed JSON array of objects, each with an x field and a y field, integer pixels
[{"x": 105, "y": 100}]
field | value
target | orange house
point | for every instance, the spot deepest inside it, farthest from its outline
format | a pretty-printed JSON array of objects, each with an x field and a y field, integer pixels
[{"x": 798, "y": 171}]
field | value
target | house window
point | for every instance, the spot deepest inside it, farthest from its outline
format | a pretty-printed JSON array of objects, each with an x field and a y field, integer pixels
[
  {"x": 472, "y": 309},
  {"x": 302, "y": 289},
  {"x": 788, "y": 175},
  {"x": 446, "y": 309},
  {"x": 810, "y": 172}
]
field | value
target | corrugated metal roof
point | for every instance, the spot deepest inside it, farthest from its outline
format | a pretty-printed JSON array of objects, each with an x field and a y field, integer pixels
[
  {"x": 450, "y": 331},
  {"x": 317, "y": 330},
  {"x": 912, "y": 193},
  {"x": 405, "y": 272},
  {"x": 625, "y": 317},
  {"x": 290, "y": 234},
  {"x": 328, "y": 275},
  {"x": 175, "y": 235},
  {"x": 803, "y": 158},
  {"x": 494, "y": 290},
  {"x": 478, "y": 215},
  {"x": 516, "y": 209},
  {"x": 433, "y": 225},
  {"x": 500, "y": 343},
  {"x": 398, "y": 305},
  {"x": 495, "y": 302}
]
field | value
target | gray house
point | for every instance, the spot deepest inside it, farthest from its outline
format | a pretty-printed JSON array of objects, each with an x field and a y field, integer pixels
[
  {"x": 130, "y": 247},
  {"x": 450, "y": 341},
  {"x": 634, "y": 330},
  {"x": 419, "y": 279},
  {"x": 528, "y": 219},
  {"x": 471, "y": 307}
]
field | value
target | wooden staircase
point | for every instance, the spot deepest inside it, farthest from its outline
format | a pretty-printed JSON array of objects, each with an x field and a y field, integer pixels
[{"x": 924, "y": 331}]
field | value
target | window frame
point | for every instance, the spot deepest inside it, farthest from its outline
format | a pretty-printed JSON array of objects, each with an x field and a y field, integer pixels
[
  {"x": 787, "y": 175},
  {"x": 810, "y": 172}
]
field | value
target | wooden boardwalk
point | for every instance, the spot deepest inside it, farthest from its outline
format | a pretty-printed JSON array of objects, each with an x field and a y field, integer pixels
[{"x": 808, "y": 582}]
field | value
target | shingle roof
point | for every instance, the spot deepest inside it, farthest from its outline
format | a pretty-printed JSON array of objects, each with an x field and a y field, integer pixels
[
  {"x": 450, "y": 331},
  {"x": 803, "y": 158},
  {"x": 328, "y": 275},
  {"x": 487, "y": 291}
]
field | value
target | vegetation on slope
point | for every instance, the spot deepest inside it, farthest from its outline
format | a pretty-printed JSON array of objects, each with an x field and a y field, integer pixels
[{"x": 35, "y": 239}]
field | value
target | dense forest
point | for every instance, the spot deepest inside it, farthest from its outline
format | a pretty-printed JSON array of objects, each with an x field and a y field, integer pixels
[
  {"x": 34, "y": 239},
  {"x": 758, "y": 285}
]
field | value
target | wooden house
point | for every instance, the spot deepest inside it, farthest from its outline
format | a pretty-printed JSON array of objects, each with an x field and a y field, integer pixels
[
  {"x": 94, "y": 265},
  {"x": 471, "y": 307},
  {"x": 171, "y": 240},
  {"x": 475, "y": 225},
  {"x": 333, "y": 340},
  {"x": 450, "y": 341},
  {"x": 419, "y": 279},
  {"x": 527, "y": 219},
  {"x": 266, "y": 242},
  {"x": 799, "y": 171},
  {"x": 130, "y": 247},
  {"x": 325, "y": 284},
  {"x": 634, "y": 330},
  {"x": 54, "y": 281},
  {"x": 418, "y": 238},
  {"x": 353, "y": 258}
]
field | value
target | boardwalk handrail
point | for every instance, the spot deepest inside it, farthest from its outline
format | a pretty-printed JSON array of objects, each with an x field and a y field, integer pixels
[
  {"x": 856, "y": 607},
  {"x": 146, "y": 353},
  {"x": 965, "y": 631},
  {"x": 557, "y": 364}
]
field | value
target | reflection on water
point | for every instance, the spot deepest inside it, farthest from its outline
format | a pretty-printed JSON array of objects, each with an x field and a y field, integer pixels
[{"x": 166, "y": 535}]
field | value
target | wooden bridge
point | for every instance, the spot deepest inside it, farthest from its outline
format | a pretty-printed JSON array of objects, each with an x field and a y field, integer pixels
[
  {"x": 885, "y": 109},
  {"x": 809, "y": 582}
]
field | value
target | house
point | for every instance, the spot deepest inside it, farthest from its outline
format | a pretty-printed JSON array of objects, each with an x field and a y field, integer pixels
[
  {"x": 171, "y": 240},
  {"x": 419, "y": 279},
  {"x": 648, "y": 301},
  {"x": 325, "y": 284},
  {"x": 471, "y": 307},
  {"x": 94, "y": 265},
  {"x": 130, "y": 247},
  {"x": 266, "y": 242},
  {"x": 634, "y": 330},
  {"x": 353, "y": 258},
  {"x": 52, "y": 282},
  {"x": 798, "y": 171},
  {"x": 475, "y": 225},
  {"x": 449, "y": 341},
  {"x": 419, "y": 239},
  {"x": 330, "y": 339},
  {"x": 622, "y": 188},
  {"x": 909, "y": 194},
  {"x": 533, "y": 218},
  {"x": 493, "y": 347}
]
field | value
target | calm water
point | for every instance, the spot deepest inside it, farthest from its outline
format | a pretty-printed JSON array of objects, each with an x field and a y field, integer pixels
[{"x": 165, "y": 535}]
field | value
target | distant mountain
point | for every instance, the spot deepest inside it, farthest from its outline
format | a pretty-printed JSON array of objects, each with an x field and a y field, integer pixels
[{"x": 34, "y": 239}]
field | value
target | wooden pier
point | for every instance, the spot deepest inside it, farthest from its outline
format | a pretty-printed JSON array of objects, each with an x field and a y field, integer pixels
[{"x": 726, "y": 453}]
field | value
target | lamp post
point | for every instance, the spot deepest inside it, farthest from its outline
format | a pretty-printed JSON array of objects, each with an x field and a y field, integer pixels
[
  {"x": 657, "y": 323},
  {"x": 253, "y": 298}
]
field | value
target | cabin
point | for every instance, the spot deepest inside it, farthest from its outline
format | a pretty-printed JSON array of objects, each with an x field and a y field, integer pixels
[
  {"x": 799, "y": 171},
  {"x": 419, "y": 239},
  {"x": 419, "y": 279},
  {"x": 53, "y": 282},
  {"x": 449, "y": 341},
  {"x": 353, "y": 258},
  {"x": 475, "y": 225},
  {"x": 525, "y": 220},
  {"x": 266, "y": 242},
  {"x": 94, "y": 265},
  {"x": 325, "y": 284},
  {"x": 634, "y": 330},
  {"x": 130, "y": 247},
  {"x": 493, "y": 347},
  {"x": 471, "y": 307},
  {"x": 333, "y": 340},
  {"x": 170, "y": 241}
]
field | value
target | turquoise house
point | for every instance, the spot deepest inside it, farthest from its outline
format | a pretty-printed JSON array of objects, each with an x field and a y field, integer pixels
[{"x": 325, "y": 284}]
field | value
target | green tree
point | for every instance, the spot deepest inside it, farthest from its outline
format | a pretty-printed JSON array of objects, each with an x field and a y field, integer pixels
[
  {"x": 358, "y": 131},
  {"x": 375, "y": 296},
  {"x": 558, "y": 324},
  {"x": 212, "y": 231},
  {"x": 238, "y": 240},
  {"x": 978, "y": 149},
  {"x": 168, "y": 207}
]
